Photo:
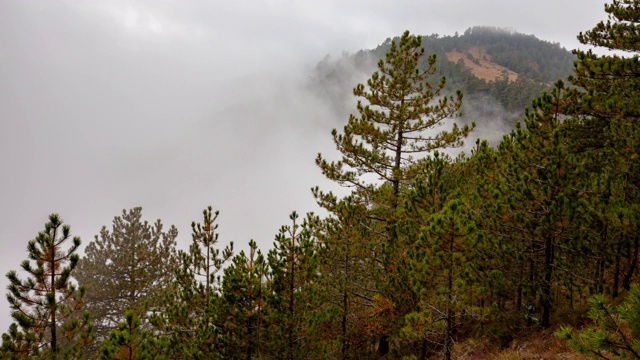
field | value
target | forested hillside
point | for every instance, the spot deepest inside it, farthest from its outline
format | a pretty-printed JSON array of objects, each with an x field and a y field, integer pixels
[
  {"x": 499, "y": 71},
  {"x": 524, "y": 250}
]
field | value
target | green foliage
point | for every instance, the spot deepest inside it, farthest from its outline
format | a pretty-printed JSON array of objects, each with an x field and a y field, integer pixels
[
  {"x": 131, "y": 342},
  {"x": 615, "y": 333},
  {"x": 622, "y": 33},
  {"x": 17, "y": 345}
]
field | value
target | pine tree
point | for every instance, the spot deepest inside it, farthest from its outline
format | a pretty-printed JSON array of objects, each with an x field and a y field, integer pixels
[
  {"x": 17, "y": 345},
  {"x": 188, "y": 314},
  {"x": 614, "y": 333},
  {"x": 395, "y": 126},
  {"x": 531, "y": 196},
  {"x": 240, "y": 313},
  {"x": 442, "y": 249},
  {"x": 507, "y": 284},
  {"x": 381, "y": 148},
  {"x": 207, "y": 260},
  {"x": 449, "y": 240},
  {"x": 127, "y": 268},
  {"x": 293, "y": 270},
  {"x": 605, "y": 132},
  {"x": 603, "y": 227},
  {"x": 343, "y": 322},
  {"x": 130, "y": 341},
  {"x": 46, "y": 304}
]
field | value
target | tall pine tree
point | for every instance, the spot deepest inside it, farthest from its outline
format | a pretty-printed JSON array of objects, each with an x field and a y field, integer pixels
[
  {"x": 240, "y": 313},
  {"x": 380, "y": 149},
  {"x": 188, "y": 315},
  {"x": 343, "y": 322},
  {"x": 396, "y": 126},
  {"x": 293, "y": 270},
  {"x": 46, "y": 304},
  {"x": 605, "y": 132},
  {"x": 532, "y": 192}
]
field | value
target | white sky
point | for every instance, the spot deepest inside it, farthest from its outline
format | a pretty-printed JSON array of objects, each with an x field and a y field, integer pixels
[{"x": 176, "y": 105}]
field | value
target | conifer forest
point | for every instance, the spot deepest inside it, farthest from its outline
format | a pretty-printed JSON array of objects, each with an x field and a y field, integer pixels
[{"x": 522, "y": 248}]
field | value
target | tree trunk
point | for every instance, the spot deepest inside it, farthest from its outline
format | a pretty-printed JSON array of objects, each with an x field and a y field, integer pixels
[
  {"x": 616, "y": 271},
  {"x": 626, "y": 282},
  {"x": 448, "y": 336},
  {"x": 397, "y": 163},
  {"x": 383, "y": 346},
  {"x": 345, "y": 309},
  {"x": 292, "y": 314},
  {"x": 250, "y": 337},
  {"x": 545, "y": 317},
  {"x": 207, "y": 289},
  {"x": 423, "y": 350},
  {"x": 52, "y": 250}
]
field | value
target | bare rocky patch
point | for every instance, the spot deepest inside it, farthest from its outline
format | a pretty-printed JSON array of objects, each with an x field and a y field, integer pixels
[{"x": 480, "y": 64}]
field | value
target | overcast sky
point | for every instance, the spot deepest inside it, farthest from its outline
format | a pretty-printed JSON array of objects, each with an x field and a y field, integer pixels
[{"x": 176, "y": 105}]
